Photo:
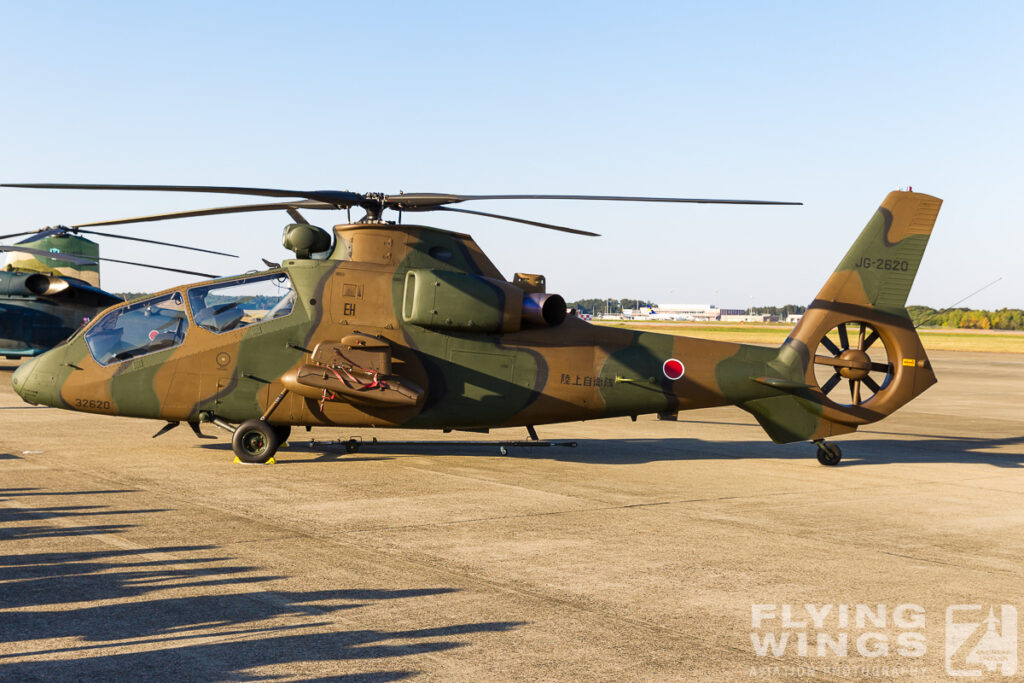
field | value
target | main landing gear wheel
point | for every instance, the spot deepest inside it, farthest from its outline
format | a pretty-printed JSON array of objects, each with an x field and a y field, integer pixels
[
  {"x": 828, "y": 453},
  {"x": 255, "y": 441},
  {"x": 865, "y": 367}
]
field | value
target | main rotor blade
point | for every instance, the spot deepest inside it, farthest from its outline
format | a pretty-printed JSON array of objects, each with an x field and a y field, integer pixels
[
  {"x": 412, "y": 200},
  {"x": 166, "y": 244},
  {"x": 149, "y": 265},
  {"x": 19, "y": 234},
  {"x": 70, "y": 258},
  {"x": 549, "y": 226},
  {"x": 338, "y": 198},
  {"x": 41, "y": 232},
  {"x": 243, "y": 208}
]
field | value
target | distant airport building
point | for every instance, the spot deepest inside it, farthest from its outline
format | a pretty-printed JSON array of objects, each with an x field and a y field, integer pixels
[
  {"x": 744, "y": 317},
  {"x": 698, "y": 312}
]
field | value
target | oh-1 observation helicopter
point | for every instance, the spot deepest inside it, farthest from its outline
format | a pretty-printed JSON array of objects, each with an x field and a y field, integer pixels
[
  {"x": 50, "y": 285},
  {"x": 392, "y": 325}
]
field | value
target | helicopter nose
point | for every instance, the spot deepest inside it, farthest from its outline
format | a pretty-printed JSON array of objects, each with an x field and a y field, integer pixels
[
  {"x": 21, "y": 378},
  {"x": 36, "y": 382}
]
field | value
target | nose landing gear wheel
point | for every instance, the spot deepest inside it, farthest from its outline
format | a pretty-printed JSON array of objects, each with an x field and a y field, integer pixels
[
  {"x": 255, "y": 441},
  {"x": 829, "y": 454}
]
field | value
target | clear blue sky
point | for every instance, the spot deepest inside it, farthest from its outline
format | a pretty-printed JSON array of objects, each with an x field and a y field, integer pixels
[{"x": 826, "y": 103}]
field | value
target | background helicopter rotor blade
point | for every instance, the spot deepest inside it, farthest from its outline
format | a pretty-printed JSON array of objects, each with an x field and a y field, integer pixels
[
  {"x": 549, "y": 226},
  {"x": 19, "y": 234},
  {"x": 243, "y": 208},
  {"x": 149, "y": 265},
  {"x": 75, "y": 229},
  {"x": 40, "y": 233},
  {"x": 70, "y": 258},
  {"x": 140, "y": 239}
]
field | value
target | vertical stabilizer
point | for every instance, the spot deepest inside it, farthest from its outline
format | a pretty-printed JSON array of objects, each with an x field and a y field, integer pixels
[
  {"x": 55, "y": 265},
  {"x": 855, "y": 356}
]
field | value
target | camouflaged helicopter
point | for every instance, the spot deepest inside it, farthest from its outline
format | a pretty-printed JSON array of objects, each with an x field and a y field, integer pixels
[
  {"x": 393, "y": 325},
  {"x": 50, "y": 285}
]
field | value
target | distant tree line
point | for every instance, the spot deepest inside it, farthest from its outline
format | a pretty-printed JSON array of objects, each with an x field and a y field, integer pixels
[
  {"x": 609, "y": 306},
  {"x": 779, "y": 312},
  {"x": 966, "y": 318},
  {"x": 128, "y": 296}
]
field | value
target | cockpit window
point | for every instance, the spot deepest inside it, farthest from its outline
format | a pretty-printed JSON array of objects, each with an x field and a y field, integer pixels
[
  {"x": 137, "y": 329},
  {"x": 232, "y": 305}
]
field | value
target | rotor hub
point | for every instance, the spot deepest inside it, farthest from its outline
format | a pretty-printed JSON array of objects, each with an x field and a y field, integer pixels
[{"x": 857, "y": 364}]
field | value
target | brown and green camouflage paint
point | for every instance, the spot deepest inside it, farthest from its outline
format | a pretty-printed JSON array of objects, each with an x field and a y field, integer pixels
[{"x": 496, "y": 376}]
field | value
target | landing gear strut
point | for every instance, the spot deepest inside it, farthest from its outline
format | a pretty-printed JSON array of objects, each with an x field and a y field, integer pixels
[
  {"x": 828, "y": 453},
  {"x": 255, "y": 441}
]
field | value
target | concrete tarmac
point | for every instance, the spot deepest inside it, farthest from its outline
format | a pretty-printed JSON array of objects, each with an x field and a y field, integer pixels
[{"x": 652, "y": 551}]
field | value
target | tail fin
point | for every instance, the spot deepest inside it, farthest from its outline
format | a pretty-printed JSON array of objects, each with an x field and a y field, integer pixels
[
  {"x": 855, "y": 351},
  {"x": 879, "y": 269},
  {"x": 54, "y": 265}
]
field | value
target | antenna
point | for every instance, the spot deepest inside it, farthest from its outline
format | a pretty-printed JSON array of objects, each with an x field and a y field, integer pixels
[{"x": 954, "y": 305}]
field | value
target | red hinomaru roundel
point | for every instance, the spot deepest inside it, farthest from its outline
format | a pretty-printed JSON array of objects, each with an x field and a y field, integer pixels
[{"x": 673, "y": 368}]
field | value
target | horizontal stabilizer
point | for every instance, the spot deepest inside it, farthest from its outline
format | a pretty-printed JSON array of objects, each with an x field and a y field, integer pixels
[{"x": 782, "y": 384}]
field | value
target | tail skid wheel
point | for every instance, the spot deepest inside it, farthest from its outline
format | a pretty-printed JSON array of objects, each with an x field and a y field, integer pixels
[
  {"x": 255, "y": 441},
  {"x": 866, "y": 370}
]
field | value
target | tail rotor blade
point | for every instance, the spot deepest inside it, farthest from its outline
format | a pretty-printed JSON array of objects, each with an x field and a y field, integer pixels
[
  {"x": 831, "y": 383},
  {"x": 830, "y": 345}
]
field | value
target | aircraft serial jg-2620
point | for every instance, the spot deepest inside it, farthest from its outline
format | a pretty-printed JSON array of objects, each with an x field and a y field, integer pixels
[{"x": 393, "y": 325}]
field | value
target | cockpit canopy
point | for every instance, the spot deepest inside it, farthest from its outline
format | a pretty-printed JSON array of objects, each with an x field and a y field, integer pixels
[
  {"x": 239, "y": 303},
  {"x": 161, "y": 322},
  {"x": 138, "y": 328}
]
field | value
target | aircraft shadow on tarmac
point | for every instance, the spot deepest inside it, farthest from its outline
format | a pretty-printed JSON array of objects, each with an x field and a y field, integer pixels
[
  {"x": 208, "y": 635},
  {"x": 863, "y": 451}
]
